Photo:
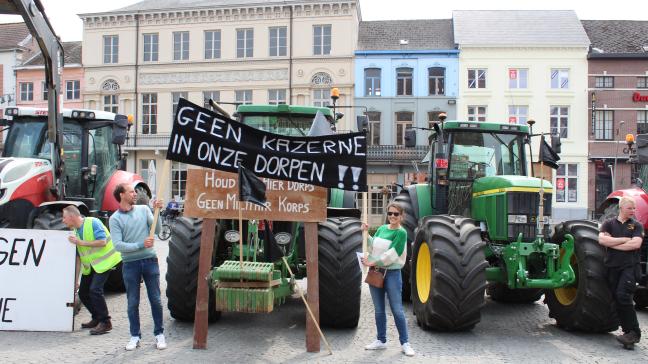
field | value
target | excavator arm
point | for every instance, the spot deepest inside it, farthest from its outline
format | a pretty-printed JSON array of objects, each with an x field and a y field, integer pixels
[{"x": 33, "y": 14}]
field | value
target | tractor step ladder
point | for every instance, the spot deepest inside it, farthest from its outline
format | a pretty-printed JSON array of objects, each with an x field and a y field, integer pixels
[{"x": 246, "y": 289}]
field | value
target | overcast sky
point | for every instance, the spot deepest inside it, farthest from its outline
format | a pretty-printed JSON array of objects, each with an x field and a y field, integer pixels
[{"x": 63, "y": 14}]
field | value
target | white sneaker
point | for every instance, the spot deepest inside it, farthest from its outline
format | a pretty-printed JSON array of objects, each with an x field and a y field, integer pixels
[
  {"x": 160, "y": 342},
  {"x": 133, "y": 343},
  {"x": 407, "y": 349},
  {"x": 376, "y": 345}
]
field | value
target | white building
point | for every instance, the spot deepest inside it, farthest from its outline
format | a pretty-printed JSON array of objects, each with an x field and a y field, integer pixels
[
  {"x": 142, "y": 58},
  {"x": 521, "y": 65}
]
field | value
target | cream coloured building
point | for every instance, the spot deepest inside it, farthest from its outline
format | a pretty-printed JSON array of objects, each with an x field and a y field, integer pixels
[
  {"x": 520, "y": 65},
  {"x": 142, "y": 58}
]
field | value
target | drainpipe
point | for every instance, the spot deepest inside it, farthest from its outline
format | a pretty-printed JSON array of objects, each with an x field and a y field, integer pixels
[
  {"x": 290, "y": 58},
  {"x": 136, "y": 90}
]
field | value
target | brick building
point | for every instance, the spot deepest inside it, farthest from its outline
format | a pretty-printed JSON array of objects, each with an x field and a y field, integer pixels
[{"x": 618, "y": 101}]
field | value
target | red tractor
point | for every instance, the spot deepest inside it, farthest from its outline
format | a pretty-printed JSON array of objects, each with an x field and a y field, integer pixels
[{"x": 639, "y": 192}]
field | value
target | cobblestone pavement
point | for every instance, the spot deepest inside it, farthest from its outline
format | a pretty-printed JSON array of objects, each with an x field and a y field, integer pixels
[{"x": 506, "y": 334}]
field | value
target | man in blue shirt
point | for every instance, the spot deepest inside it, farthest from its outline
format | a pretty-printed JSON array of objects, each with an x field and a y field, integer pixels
[{"x": 130, "y": 227}]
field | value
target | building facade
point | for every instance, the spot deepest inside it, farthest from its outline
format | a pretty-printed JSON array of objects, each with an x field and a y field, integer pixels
[
  {"x": 618, "y": 101},
  {"x": 521, "y": 65},
  {"x": 141, "y": 59},
  {"x": 15, "y": 46},
  {"x": 406, "y": 76},
  {"x": 30, "y": 79}
]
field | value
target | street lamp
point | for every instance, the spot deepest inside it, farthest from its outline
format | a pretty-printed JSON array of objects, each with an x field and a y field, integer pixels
[{"x": 616, "y": 154}]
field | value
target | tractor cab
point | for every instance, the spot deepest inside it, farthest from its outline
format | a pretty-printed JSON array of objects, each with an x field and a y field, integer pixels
[
  {"x": 288, "y": 120},
  {"x": 91, "y": 150}
]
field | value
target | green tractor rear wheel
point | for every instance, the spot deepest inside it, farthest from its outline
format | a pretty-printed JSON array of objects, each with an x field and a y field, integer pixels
[
  {"x": 182, "y": 271},
  {"x": 409, "y": 224},
  {"x": 449, "y": 273},
  {"x": 340, "y": 277},
  {"x": 588, "y": 304}
]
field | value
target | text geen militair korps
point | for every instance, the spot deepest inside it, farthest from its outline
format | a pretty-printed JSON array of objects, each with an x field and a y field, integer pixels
[{"x": 204, "y": 138}]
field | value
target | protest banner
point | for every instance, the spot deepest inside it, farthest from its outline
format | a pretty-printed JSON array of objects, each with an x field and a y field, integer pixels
[
  {"x": 203, "y": 138},
  {"x": 36, "y": 280},
  {"x": 214, "y": 194}
]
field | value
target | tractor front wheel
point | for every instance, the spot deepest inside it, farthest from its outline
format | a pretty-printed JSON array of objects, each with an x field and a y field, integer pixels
[
  {"x": 182, "y": 271},
  {"x": 340, "y": 277},
  {"x": 404, "y": 199},
  {"x": 448, "y": 273},
  {"x": 588, "y": 304}
]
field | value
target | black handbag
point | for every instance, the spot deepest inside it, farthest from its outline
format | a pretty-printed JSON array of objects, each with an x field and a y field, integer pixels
[{"x": 376, "y": 277}]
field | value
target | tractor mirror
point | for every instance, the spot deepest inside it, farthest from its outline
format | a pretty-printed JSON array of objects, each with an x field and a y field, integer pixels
[
  {"x": 363, "y": 122},
  {"x": 120, "y": 129},
  {"x": 642, "y": 148},
  {"x": 410, "y": 138},
  {"x": 556, "y": 143}
]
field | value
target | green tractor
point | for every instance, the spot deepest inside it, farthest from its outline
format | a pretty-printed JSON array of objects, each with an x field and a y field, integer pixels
[
  {"x": 339, "y": 238},
  {"x": 478, "y": 227}
]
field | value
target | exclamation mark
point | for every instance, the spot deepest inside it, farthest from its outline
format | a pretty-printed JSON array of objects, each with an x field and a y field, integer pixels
[
  {"x": 356, "y": 176},
  {"x": 341, "y": 172}
]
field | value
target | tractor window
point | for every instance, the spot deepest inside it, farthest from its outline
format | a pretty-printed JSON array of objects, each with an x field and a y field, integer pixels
[
  {"x": 478, "y": 154},
  {"x": 72, "y": 139},
  {"x": 102, "y": 153},
  {"x": 25, "y": 139},
  {"x": 280, "y": 124}
]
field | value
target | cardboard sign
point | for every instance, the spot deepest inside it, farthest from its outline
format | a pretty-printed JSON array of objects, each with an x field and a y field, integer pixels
[
  {"x": 203, "y": 138},
  {"x": 214, "y": 194},
  {"x": 36, "y": 280}
]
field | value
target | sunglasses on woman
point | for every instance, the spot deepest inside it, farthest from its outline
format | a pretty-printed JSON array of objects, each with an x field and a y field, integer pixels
[{"x": 393, "y": 213}]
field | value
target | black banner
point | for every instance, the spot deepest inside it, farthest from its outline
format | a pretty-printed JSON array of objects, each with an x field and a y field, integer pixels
[{"x": 207, "y": 139}]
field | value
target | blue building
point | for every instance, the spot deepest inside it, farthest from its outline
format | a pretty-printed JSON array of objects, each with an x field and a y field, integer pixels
[{"x": 406, "y": 75}]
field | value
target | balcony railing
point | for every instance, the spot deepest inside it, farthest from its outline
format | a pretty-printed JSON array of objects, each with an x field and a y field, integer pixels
[{"x": 375, "y": 153}]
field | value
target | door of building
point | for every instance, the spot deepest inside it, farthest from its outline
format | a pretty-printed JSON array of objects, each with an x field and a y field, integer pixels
[{"x": 603, "y": 181}]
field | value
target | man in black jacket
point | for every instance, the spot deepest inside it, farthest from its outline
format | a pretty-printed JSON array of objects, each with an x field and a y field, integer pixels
[{"x": 622, "y": 236}]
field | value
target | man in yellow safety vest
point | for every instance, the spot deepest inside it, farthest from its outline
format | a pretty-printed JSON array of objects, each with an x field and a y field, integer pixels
[{"x": 98, "y": 257}]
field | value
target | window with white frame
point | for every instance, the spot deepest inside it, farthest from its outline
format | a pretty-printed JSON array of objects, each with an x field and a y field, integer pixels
[
  {"x": 604, "y": 125},
  {"x": 149, "y": 113},
  {"x": 244, "y": 43},
  {"x": 372, "y": 81},
  {"x": 518, "y": 78},
  {"x": 559, "y": 120},
  {"x": 476, "y": 78},
  {"x": 380, "y": 195},
  {"x": 144, "y": 168},
  {"x": 276, "y": 97},
  {"x": 321, "y": 97},
  {"x": 244, "y": 96},
  {"x": 180, "y": 46},
  {"x": 404, "y": 76},
  {"x": 374, "y": 127},
  {"x": 604, "y": 82},
  {"x": 642, "y": 122},
  {"x": 642, "y": 82},
  {"x": 151, "y": 47},
  {"x": 436, "y": 81},
  {"x": 278, "y": 41},
  {"x": 321, "y": 39},
  {"x": 111, "y": 48},
  {"x": 518, "y": 114},
  {"x": 45, "y": 91},
  {"x": 560, "y": 78},
  {"x": 212, "y": 44},
  {"x": 476, "y": 113},
  {"x": 26, "y": 91},
  {"x": 178, "y": 180},
  {"x": 567, "y": 182},
  {"x": 72, "y": 90},
  {"x": 404, "y": 121},
  {"x": 207, "y": 95},
  {"x": 111, "y": 103},
  {"x": 434, "y": 117},
  {"x": 176, "y": 98}
]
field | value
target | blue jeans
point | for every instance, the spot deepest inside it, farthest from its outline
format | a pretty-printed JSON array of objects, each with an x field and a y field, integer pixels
[
  {"x": 134, "y": 272},
  {"x": 393, "y": 286}
]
